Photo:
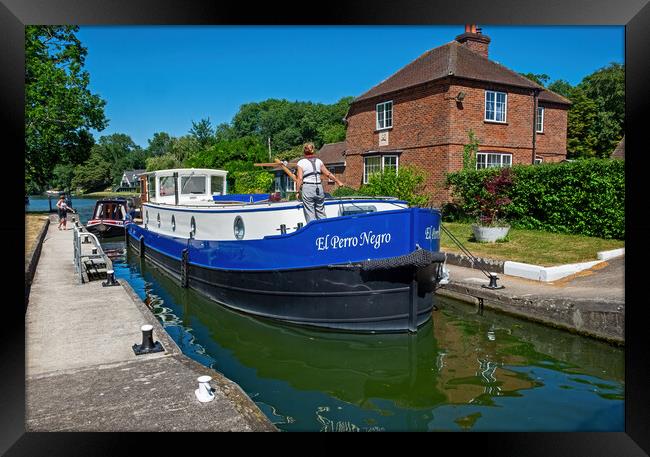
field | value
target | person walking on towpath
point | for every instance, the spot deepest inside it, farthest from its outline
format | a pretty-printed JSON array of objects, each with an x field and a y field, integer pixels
[
  {"x": 63, "y": 209},
  {"x": 309, "y": 184}
]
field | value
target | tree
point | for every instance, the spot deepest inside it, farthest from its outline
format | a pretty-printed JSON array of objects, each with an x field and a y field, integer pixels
[
  {"x": 469, "y": 152},
  {"x": 60, "y": 110},
  {"x": 203, "y": 132},
  {"x": 561, "y": 87},
  {"x": 121, "y": 153},
  {"x": 540, "y": 79},
  {"x": 62, "y": 176},
  {"x": 160, "y": 144},
  {"x": 95, "y": 174}
]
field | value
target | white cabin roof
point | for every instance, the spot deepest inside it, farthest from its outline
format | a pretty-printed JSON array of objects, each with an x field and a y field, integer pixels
[{"x": 188, "y": 172}]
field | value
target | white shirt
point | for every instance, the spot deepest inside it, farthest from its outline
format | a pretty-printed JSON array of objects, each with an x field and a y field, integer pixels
[{"x": 305, "y": 164}]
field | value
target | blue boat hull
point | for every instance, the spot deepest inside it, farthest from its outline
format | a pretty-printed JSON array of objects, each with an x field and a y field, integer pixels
[{"x": 358, "y": 293}]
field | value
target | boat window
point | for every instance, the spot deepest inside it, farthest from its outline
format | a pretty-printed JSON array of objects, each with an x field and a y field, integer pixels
[
  {"x": 151, "y": 188},
  {"x": 173, "y": 223},
  {"x": 238, "y": 227},
  {"x": 216, "y": 185},
  {"x": 350, "y": 210},
  {"x": 98, "y": 211},
  {"x": 147, "y": 216},
  {"x": 193, "y": 226},
  {"x": 158, "y": 218},
  {"x": 166, "y": 186},
  {"x": 193, "y": 185}
]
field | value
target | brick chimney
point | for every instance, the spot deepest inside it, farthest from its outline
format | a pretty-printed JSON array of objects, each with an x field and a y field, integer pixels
[{"x": 474, "y": 40}]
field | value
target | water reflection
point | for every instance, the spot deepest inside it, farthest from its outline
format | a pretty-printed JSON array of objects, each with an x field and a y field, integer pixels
[{"x": 460, "y": 371}]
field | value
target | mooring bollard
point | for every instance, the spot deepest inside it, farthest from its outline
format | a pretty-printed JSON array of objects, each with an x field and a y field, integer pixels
[
  {"x": 204, "y": 393},
  {"x": 493, "y": 283},
  {"x": 110, "y": 279},
  {"x": 148, "y": 346}
]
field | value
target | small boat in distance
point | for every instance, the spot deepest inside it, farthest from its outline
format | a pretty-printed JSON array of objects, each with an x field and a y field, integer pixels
[
  {"x": 109, "y": 217},
  {"x": 371, "y": 266}
]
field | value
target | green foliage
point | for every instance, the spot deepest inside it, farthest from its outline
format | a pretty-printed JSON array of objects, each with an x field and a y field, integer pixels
[
  {"x": 345, "y": 191},
  {"x": 163, "y": 162},
  {"x": 252, "y": 182},
  {"x": 541, "y": 79},
  {"x": 59, "y": 108},
  {"x": 469, "y": 152},
  {"x": 203, "y": 132},
  {"x": 94, "y": 175},
  {"x": 406, "y": 185},
  {"x": 160, "y": 144},
  {"x": 585, "y": 197},
  {"x": 596, "y": 117},
  {"x": 62, "y": 176},
  {"x": 288, "y": 124}
]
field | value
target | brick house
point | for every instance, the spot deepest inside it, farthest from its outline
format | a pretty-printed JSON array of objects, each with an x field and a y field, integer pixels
[{"x": 422, "y": 115}]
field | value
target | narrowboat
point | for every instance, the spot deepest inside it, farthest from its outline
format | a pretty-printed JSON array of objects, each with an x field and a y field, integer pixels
[
  {"x": 371, "y": 266},
  {"x": 109, "y": 218}
]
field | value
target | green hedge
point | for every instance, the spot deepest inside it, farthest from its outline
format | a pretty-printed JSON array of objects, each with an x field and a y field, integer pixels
[
  {"x": 252, "y": 181},
  {"x": 585, "y": 197}
]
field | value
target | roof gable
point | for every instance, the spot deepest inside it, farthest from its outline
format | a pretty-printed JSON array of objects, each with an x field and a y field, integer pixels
[{"x": 454, "y": 59}]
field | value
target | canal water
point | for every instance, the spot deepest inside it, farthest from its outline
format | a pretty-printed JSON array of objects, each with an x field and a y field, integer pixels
[
  {"x": 461, "y": 371},
  {"x": 83, "y": 206}
]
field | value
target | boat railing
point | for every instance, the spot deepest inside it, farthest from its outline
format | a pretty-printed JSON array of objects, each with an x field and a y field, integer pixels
[{"x": 82, "y": 255}]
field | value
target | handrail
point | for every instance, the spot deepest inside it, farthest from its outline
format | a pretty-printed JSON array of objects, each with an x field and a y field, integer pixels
[{"x": 79, "y": 231}]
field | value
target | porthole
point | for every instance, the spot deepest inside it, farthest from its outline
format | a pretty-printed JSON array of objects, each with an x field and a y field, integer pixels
[
  {"x": 192, "y": 227},
  {"x": 173, "y": 223},
  {"x": 158, "y": 219},
  {"x": 238, "y": 227}
]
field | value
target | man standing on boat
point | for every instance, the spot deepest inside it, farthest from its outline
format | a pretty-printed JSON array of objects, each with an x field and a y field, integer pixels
[{"x": 310, "y": 169}]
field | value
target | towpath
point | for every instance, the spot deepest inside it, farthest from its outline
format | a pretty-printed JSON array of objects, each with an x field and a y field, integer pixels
[
  {"x": 591, "y": 302},
  {"x": 82, "y": 373}
]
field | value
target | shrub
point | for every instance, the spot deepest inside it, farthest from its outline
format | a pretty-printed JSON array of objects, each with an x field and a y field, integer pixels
[
  {"x": 249, "y": 182},
  {"x": 585, "y": 197},
  {"x": 493, "y": 200},
  {"x": 345, "y": 191},
  {"x": 406, "y": 185}
]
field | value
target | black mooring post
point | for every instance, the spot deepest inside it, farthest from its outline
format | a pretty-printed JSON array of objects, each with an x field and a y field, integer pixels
[
  {"x": 148, "y": 346},
  {"x": 176, "y": 188}
]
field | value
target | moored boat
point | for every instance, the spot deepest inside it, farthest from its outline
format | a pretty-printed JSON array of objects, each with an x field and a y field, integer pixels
[
  {"x": 109, "y": 218},
  {"x": 372, "y": 265}
]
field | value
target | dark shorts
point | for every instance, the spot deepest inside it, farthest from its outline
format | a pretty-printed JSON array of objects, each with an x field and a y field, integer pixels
[{"x": 63, "y": 215}]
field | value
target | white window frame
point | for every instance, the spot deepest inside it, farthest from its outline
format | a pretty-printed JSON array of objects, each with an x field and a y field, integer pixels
[
  {"x": 291, "y": 184},
  {"x": 539, "y": 159},
  {"x": 382, "y": 164},
  {"x": 539, "y": 121},
  {"x": 384, "y": 110},
  {"x": 501, "y": 155},
  {"x": 494, "y": 110},
  {"x": 184, "y": 188}
]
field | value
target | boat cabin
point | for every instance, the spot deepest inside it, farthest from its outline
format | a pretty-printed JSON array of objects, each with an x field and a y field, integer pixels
[
  {"x": 183, "y": 185},
  {"x": 114, "y": 209}
]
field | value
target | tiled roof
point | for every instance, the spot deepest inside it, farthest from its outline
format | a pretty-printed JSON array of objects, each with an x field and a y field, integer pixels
[
  {"x": 619, "y": 151},
  {"x": 332, "y": 152},
  {"x": 455, "y": 59}
]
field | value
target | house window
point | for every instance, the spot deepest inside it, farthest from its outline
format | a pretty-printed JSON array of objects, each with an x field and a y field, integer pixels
[
  {"x": 193, "y": 185},
  {"x": 278, "y": 183},
  {"x": 539, "y": 159},
  {"x": 378, "y": 164},
  {"x": 495, "y": 106},
  {"x": 291, "y": 184},
  {"x": 384, "y": 115},
  {"x": 493, "y": 159},
  {"x": 539, "y": 122}
]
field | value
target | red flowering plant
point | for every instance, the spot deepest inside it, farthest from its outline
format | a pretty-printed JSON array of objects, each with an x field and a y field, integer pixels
[{"x": 494, "y": 198}]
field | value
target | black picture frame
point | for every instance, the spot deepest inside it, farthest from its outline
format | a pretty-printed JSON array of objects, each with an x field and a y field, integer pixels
[{"x": 633, "y": 14}]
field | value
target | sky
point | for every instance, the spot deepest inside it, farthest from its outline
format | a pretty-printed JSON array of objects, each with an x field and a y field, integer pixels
[{"x": 161, "y": 78}]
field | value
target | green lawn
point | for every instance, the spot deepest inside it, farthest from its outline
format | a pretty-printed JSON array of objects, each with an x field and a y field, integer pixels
[{"x": 529, "y": 246}]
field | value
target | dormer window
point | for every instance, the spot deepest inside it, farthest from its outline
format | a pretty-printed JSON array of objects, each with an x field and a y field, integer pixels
[
  {"x": 384, "y": 115},
  {"x": 496, "y": 106}
]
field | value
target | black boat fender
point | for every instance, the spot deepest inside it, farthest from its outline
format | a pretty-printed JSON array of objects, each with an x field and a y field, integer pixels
[{"x": 142, "y": 246}]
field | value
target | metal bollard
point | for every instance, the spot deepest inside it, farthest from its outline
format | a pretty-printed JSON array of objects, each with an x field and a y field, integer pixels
[
  {"x": 493, "y": 283},
  {"x": 110, "y": 279},
  {"x": 148, "y": 346},
  {"x": 204, "y": 393}
]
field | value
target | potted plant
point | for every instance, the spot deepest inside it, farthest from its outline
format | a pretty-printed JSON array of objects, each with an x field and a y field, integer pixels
[{"x": 491, "y": 202}]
